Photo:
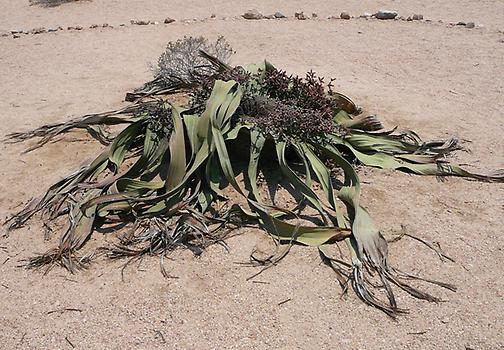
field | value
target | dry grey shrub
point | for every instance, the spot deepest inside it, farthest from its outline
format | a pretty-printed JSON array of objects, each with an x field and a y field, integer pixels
[{"x": 182, "y": 63}]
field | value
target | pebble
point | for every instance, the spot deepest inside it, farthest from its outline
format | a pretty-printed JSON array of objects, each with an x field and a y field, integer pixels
[
  {"x": 417, "y": 17},
  {"x": 52, "y": 30},
  {"x": 105, "y": 25},
  {"x": 279, "y": 15},
  {"x": 78, "y": 28},
  {"x": 314, "y": 15},
  {"x": 122, "y": 25},
  {"x": 4, "y": 34},
  {"x": 385, "y": 14},
  {"x": 300, "y": 15},
  {"x": 38, "y": 30},
  {"x": 140, "y": 22},
  {"x": 269, "y": 17},
  {"x": 461, "y": 23},
  {"x": 213, "y": 15},
  {"x": 344, "y": 15},
  {"x": 15, "y": 36},
  {"x": 93, "y": 26},
  {"x": 470, "y": 25},
  {"x": 252, "y": 14},
  {"x": 366, "y": 15},
  {"x": 168, "y": 20}
]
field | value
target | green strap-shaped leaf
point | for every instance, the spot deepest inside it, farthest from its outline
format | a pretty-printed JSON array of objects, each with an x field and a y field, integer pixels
[
  {"x": 276, "y": 227},
  {"x": 221, "y": 105},
  {"x": 296, "y": 181},
  {"x": 81, "y": 224},
  {"x": 191, "y": 124},
  {"x": 418, "y": 164},
  {"x": 322, "y": 173},
  {"x": 257, "y": 140},
  {"x": 122, "y": 142},
  {"x": 177, "y": 166}
]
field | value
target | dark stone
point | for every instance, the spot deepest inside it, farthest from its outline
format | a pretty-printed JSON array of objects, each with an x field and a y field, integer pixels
[
  {"x": 385, "y": 14},
  {"x": 345, "y": 15},
  {"x": 252, "y": 14}
]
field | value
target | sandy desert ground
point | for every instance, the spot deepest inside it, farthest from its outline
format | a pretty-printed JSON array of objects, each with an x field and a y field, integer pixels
[{"x": 437, "y": 79}]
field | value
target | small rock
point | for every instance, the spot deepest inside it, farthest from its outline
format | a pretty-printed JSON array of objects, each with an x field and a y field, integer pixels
[
  {"x": 155, "y": 22},
  {"x": 213, "y": 15},
  {"x": 385, "y": 14},
  {"x": 140, "y": 22},
  {"x": 409, "y": 19},
  {"x": 5, "y": 34},
  {"x": 461, "y": 23},
  {"x": 105, "y": 25},
  {"x": 400, "y": 18},
  {"x": 366, "y": 15},
  {"x": 15, "y": 31},
  {"x": 344, "y": 15},
  {"x": 78, "y": 28},
  {"x": 168, "y": 20},
  {"x": 70, "y": 28},
  {"x": 252, "y": 14},
  {"x": 93, "y": 26},
  {"x": 300, "y": 15},
  {"x": 470, "y": 25},
  {"x": 269, "y": 17},
  {"x": 15, "y": 36},
  {"x": 122, "y": 25},
  {"x": 52, "y": 30},
  {"x": 60, "y": 28},
  {"x": 38, "y": 30},
  {"x": 279, "y": 15},
  {"x": 314, "y": 15},
  {"x": 417, "y": 17}
]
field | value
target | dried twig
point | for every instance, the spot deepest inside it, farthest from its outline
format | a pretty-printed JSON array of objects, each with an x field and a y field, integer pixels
[
  {"x": 69, "y": 342},
  {"x": 63, "y": 310},
  {"x": 285, "y": 301}
]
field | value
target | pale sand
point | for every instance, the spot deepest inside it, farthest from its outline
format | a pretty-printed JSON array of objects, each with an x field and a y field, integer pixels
[{"x": 436, "y": 80}]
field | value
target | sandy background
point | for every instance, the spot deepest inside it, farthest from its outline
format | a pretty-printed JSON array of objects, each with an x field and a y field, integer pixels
[{"x": 437, "y": 80}]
